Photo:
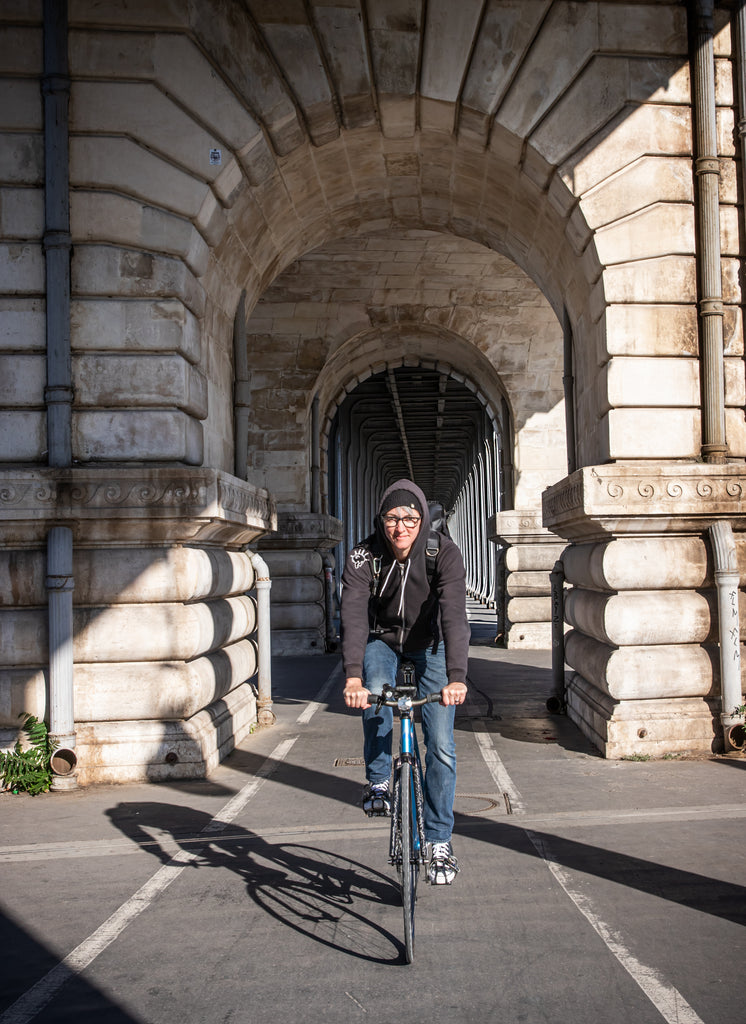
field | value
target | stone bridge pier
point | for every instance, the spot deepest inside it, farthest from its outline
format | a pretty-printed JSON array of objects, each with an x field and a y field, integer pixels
[{"x": 258, "y": 260}]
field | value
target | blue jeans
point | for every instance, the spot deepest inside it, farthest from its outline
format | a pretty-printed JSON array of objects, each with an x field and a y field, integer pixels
[{"x": 380, "y": 665}]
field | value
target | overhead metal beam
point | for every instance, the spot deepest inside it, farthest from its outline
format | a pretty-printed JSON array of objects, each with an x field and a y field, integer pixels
[{"x": 394, "y": 392}]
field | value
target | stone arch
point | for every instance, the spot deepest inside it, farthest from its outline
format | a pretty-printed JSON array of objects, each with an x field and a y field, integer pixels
[
  {"x": 588, "y": 189},
  {"x": 479, "y": 314},
  {"x": 377, "y": 349},
  {"x": 363, "y": 446},
  {"x": 413, "y": 345},
  {"x": 505, "y": 211}
]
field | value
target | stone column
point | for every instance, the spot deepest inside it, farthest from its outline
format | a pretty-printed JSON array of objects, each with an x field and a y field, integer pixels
[
  {"x": 530, "y": 554},
  {"x": 163, "y": 621},
  {"x": 642, "y": 605},
  {"x": 295, "y": 555}
]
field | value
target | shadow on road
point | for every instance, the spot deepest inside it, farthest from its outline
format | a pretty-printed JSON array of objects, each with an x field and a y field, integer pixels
[
  {"x": 319, "y": 894},
  {"x": 35, "y": 983},
  {"x": 709, "y": 895}
]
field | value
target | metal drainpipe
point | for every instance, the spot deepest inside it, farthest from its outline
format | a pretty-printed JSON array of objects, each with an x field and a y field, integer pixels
[
  {"x": 315, "y": 457},
  {"x": 60, "y": 585},
  {"x": 329, "y": 597},
  {"x": 707, "y": 166},
  {"x": 264, "y": 713},
  {"x": 727, "y": 580},
  {"x": 740, "y": 84},
  {"x": 58, "y": 394},
  {"x": 568, "y": 385},
  {"x": 241, "y": 395},
  {"x": 556, "y": 703}
]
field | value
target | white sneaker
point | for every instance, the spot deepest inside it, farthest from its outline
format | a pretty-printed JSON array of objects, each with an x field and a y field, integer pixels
[
  {"x": 376, "y": 800},
  {"x": 443, "y": 866}
]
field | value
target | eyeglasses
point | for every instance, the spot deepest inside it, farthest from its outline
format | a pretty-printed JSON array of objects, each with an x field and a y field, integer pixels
[{"x": 409, "y": 522}]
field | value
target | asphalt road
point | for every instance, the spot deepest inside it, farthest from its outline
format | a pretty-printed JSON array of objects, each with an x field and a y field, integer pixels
[{"x": 589, "y": 891}]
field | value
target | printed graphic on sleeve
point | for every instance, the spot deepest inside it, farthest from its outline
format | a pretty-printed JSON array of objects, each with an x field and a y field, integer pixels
[{"x": 359, "y": 557}]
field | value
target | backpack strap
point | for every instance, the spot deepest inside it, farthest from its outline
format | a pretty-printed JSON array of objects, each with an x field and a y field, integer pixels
[
  {"x": 431, "y": 554},
  {"x": 376, "y": 561}
]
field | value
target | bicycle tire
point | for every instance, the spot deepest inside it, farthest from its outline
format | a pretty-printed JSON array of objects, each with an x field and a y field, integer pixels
[
  {"x": 418, "y": 822},
  {"x": 410, "y": 862}
]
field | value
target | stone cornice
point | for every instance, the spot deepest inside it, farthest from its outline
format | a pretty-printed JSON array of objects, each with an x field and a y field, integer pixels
[
  {"x": 645, "y": 499},
  {"x": 516, "y": 526},
  {"x": 304, "y": 530},
  {"x": 103, "y": 503}
]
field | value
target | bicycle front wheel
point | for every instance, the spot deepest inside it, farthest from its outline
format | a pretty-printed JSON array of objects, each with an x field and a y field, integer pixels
[{"x": 410, "y": 860}]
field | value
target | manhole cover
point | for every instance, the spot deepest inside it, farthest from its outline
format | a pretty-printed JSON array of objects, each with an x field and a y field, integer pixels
[{"x": 474, "y": 803}]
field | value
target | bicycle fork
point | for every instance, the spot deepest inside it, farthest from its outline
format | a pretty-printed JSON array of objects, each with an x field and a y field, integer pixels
[{"x": 408, "y": 754}]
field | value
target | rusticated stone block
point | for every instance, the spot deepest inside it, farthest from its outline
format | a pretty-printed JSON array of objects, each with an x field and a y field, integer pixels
[
  {"x": 135, "y": 326},
  {"x": 633, "y": 727},
  {"x": 141, "y": 380},
  {"x": 642, "y": 616},
  {"x": 23, "y": 436},
  {"x": 131, "y": 436}
]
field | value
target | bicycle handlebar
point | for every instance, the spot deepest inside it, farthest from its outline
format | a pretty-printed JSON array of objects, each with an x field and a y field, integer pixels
[{"x": 416, "y": 702}]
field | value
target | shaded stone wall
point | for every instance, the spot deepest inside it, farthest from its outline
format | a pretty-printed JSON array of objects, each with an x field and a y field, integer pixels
[{"x": 377, "y": 295}]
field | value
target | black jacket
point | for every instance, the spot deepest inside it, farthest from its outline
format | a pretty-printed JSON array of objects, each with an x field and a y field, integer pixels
[{"x": 410, "y": 613}]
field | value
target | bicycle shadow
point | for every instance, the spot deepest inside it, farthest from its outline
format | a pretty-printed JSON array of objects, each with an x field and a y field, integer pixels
[{"x": 312, "y": 891}]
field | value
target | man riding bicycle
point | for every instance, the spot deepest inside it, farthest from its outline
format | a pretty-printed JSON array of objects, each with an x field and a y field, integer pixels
[{"x": 395, "y": 605}]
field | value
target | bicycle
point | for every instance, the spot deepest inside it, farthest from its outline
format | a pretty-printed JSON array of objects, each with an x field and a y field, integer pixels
[{"x": 407, "y": 840}]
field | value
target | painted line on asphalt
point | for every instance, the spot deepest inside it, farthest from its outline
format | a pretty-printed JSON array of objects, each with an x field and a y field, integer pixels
[
  {"x": 559, "y": 822},
  {"x": 127, "y": 847},
  {"x": 667, "y": 1000},
  {"x": 319, "y": 701},
  {"x": 497, "y": 769},
  {"x": 237, "y": 803},
  {"x": 27, "y": 1006}
]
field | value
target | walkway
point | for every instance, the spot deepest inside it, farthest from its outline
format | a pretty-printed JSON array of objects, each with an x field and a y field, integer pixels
[{"x": 590, "y": 891}]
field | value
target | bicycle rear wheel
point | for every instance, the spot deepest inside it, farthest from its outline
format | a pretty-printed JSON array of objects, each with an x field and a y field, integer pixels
[{"x": 410, "y": 865}]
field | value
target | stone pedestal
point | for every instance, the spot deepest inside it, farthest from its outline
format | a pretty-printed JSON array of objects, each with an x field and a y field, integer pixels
[
  {"x": 525, "y": 595},
  {"x": 163, "y": 622},
  {"x": 642, "y": 605},
  {"x": 298, "y": 555}
]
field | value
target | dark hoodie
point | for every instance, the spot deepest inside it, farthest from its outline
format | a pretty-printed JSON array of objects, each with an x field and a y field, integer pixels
[{"x": 410, "y": 614}]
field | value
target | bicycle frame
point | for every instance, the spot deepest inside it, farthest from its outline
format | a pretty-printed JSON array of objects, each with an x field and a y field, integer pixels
[
  {"x": 408, "y": 754},
  {"x": 407, "y": 842}
]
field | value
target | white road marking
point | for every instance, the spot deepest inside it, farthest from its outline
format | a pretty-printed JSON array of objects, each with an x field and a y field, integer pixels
[
  {"x": 313, "y": 706},
  {"x": 237, "y": 803},
  {"x": 667, "y": 1000},
  {"x": 497, "y": 769},
  {"x": 27, "y": 1006},
  {"x": 560, "y": 821}
]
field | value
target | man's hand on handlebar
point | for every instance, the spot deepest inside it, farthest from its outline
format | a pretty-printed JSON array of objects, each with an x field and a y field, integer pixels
[
  {"x": 355, "y": 694},
  {"x": 454, "y": 693}
]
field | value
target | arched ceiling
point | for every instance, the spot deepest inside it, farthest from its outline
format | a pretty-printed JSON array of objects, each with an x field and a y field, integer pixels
[
  {"x": 433, "y": 339},
  {"x": 418, "y": 423},
  {"x": 316, "y": 66},
  {"x": 390, "y": 287}
]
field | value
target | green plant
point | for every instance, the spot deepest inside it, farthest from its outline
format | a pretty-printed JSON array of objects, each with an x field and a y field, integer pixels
[
  {"x": 29, "y": 769},
  {"x": 637, "y": 757}
]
